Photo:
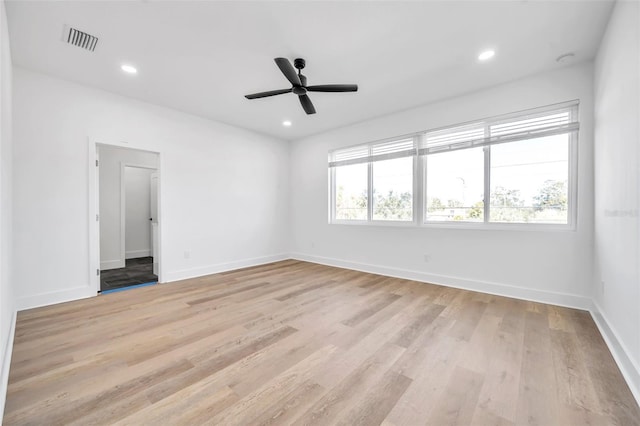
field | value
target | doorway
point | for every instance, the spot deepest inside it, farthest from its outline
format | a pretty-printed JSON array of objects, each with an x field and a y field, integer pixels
[{"x": 127, "y": 217}]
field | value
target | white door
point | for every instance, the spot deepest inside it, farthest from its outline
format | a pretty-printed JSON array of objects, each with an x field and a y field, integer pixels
[{"x": 154, "y": 219}]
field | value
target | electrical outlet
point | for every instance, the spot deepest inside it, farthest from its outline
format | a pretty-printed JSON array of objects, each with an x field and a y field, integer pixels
[
  {"x": 427, "y": 258},
  {"x": 313, "y": 244},
  {"x": 187, "y": 254}
]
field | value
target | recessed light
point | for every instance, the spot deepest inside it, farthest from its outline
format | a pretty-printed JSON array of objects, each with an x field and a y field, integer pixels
[
  {"x": 286, "y": 123},
  {"x": 486, "y": 55},
  {"x": 129, "y": 69}
]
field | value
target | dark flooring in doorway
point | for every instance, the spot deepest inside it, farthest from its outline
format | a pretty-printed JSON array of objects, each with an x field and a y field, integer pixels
[{"x": 137, "y": 271}]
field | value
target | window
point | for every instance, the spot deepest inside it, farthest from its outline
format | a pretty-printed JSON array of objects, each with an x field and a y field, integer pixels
[
  {"x": 351, "y": 192},
  {"x": 454, "y": 186},
  {"x": 529, "y": 181},
  {"x": 381, "y": 172},
  {"x": 454, "y": 178},
  {"x": 393, "y": 189},
  {"x": 514, "y": 169}
]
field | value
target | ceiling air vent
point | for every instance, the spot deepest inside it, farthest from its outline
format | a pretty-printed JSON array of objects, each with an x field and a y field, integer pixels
[{"x": 80, "y": 38}]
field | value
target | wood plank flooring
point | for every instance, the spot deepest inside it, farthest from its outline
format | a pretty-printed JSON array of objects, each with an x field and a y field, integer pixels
[{"x": 305, "y": 344}]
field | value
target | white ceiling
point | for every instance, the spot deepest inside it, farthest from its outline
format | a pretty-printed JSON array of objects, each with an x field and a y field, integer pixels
[{"x": 203, "y": 57}]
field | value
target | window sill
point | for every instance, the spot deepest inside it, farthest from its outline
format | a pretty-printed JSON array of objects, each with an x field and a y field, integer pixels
[
  {"x": 526, "y": 227},
  {"x": 536, "y": 227},
  {"x": 383, "y": 223}
]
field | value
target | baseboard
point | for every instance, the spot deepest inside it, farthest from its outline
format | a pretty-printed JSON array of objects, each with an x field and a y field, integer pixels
[
  {"x": 630, "y": 369},
  {"x": 6, "y": 364},
  {"x": 221, "y": 267},
  {"x": 560, "y": 299},
  {"x": 111, "y": 264},
  {"x": 134, "y": 254},
  {"x": 45, "y": 299}
]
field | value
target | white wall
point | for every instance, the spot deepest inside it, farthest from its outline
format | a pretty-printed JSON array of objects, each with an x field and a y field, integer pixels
[
  {"x": 552, "y": 266},
  {"x": 7, "y": 302},
  {"x": 223, "y": 190},
  {"x": 112, "y": 242},
  {"x": 137, "y": 183},
  {"x": 617, "y": 176}
]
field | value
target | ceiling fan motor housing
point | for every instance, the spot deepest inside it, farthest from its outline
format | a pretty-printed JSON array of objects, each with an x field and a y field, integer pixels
[
  {"x": 299, "y": 63},
  {"x": 299, "y": 90}
]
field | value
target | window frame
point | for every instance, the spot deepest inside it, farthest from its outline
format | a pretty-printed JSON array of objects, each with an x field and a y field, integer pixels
[
  {"x": 370, "y": 188},
  {"x": 420, "y": 175}
]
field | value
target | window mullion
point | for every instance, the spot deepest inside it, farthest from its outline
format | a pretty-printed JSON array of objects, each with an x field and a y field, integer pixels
[
  {"x": 332, "y": 195},
  {"x": 370, "y": 189},
  {"x": 418, "y": 184},
  {"x": 487, "y": 177},
  {"x": 572, "y": 174}
]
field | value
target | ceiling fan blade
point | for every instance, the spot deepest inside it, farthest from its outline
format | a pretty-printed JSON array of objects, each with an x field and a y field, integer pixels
[
  {"x": 288, "y": 71},
  {"x": 306, "y": 104},
  {"x": 265, "y": 94},
  {"x": 334, "y": 88}
]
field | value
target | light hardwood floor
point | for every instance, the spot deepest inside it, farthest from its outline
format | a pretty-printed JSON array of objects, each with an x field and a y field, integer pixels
[{"x": 300, "y": 343}]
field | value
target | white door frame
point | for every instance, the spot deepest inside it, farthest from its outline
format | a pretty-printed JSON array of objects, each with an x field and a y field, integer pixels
[{"x": 94, "y": 208}]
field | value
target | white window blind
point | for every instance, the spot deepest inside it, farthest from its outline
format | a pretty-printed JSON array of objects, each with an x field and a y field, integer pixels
[
  {"x": 538, "y": 123},
  {"x": 405, "y": 147},
  {"x": 353, "y": 155},
  {"x": 455, "y": 138}
]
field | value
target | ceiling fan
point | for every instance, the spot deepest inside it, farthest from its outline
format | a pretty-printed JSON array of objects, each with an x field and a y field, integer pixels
[{"x": 299, "y": 85}]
